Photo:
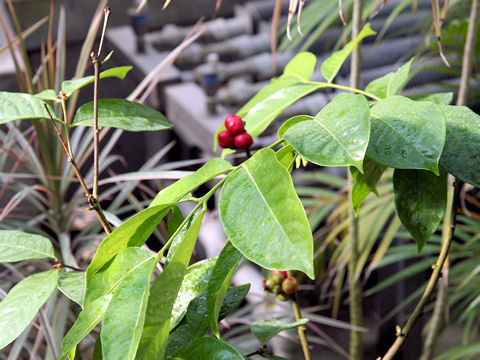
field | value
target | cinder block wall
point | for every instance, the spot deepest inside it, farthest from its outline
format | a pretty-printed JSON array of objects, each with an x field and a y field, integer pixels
[{"x": 79, "y": 14}]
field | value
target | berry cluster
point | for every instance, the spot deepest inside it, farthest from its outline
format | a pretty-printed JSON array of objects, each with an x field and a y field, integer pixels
[
  {"x": 235, "y": 137},
  {"x": 281, "y": 285}
]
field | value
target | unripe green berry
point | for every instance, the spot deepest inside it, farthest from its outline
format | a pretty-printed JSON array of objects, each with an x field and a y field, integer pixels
[
  {"x": 277, "y": 278},
  {"x": 269, "y": 283},
  {"x": 290, "y": 285},
  {"x": 277, "y": 289},
  {"x": 283, "y": 297}
]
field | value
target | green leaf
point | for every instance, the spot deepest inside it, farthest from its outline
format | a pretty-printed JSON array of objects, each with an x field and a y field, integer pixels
[
  {"x": 302, "y": 65},
  {"x": 420, "y": 200},
  {"x": 22, "y": 302},
  {"x": 365, "y": 183},
  {"x": 180, "y": 188},
  {"x": 286, "y": 157},
  {"x": 406, "y": 134},
  {"x": 164, "y": 293},
  {"x": 72, "y": 285},
  {"x": 219, "y": 280},
  {"x": 461, "y": 155},
  {"x": 263, "y": 216},
  {"x": 19, "y": 106},
  {"x": 106, "y": 280},
  {"x": 275, "y": 86},
  {"x": 261, "y": 115},
  {"x": 292, "y": 121},
  {"x": 70, "y": 86},
  {"x": 174, "y": 221},
  {"x": 88, "y": 318},
  {"x": 17, "y": 246},
  {"x": 391, "y": 83},
  {"x": 337, "y": 136},
  {"x": 133, "y": 232},
  {"x": 332, "y": 65},
  {"x": 194, "y": 284},
  {"x": 123, "y": 322},
  {"x": 208, "y": 348},
  {"x": 47, "y": 95},
  {"x": 444, "y": 98},
  {"x": 264, "y": 330},
  {"x": 122, "y": 114},
  {"x": 195, "y": 322}
]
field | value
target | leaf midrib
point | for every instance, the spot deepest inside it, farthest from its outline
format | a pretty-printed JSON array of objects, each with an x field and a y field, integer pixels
[
  {"x": 335, "y": 138},
  {"x": 266, "y": 203},
  {"x": 26, "y": 248},
  {"x": 399, "y": 134}
]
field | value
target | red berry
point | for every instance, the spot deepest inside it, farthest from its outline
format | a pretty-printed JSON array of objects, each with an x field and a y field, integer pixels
[
  {"x": 234, "y": 124},
  {"x": 243, "y": 141},
  {"x": 225, "y": 139},
  {"x": 289, "y": 285},
  {"x": 283, "y": 272}
]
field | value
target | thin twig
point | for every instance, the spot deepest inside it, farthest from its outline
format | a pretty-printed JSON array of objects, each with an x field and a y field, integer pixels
[
  {"x": 96, "y": 65},
  {"x": 355, "y": 286},
  {"x": 301, "y": 328},
  {"x": 451, "y": 212},
  {"x": 94, "y": 205}
]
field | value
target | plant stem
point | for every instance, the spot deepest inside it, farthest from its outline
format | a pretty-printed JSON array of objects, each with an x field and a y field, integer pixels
[
  {"x": 450, "y": 220},
  {"x": 301, "y": 328},
  {"x": 355, "y": 287},
  {"x": 468, "y": 53},
  {"x": 442, "y": 292},
  {"x": 94, "y": 205},
  {"x": 96, "y": 65}
]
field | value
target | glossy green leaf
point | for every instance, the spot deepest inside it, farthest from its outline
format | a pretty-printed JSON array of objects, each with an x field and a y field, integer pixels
[
  {"x": 22, "y": 303},
  {"x": 261, "y": 115},
  {"x": 133, "y": 232},
  {"x": 407, "y": 134},
  {"x": 47, "y": 95},
  {"x": 391, "y": 83},
  {"x": 263, "y": 216},
  {"x": 292, "y": 121},
  {"x": 337, "y": 136},
  {"x": 461, "y": 155},
  {"x": 365, "y": 183},
  {"x": 286, "y": 157},
  {"x": 332, "y": 65},
  {"x": 183, "y": 186},
  {"x": 72, "y": 285},
  {"x": 264, "y": 330},
  {"x": 208, "y": 348},
  {"x": 70, "y": 86},
  {"x": 174, "y": 221},
  {"x": 194, "y": 284},
  {"x": 420, "y": 200},
  {"x": 122, "y": 114},
  {"x": 106, "y": 280},
  {"x": 302, "y": 65},
  {"x": 219, "y": 281},
  {"x": 123, "y": 322},
  {"x": 444, "y": 98},
  {"x": 88, "y": 318},
  {"x": 17, "y": 246},
  {"x": 19, "y": 106},
  {"x": 164, "y": 292},
  {"x": 195, "y": 322}
]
